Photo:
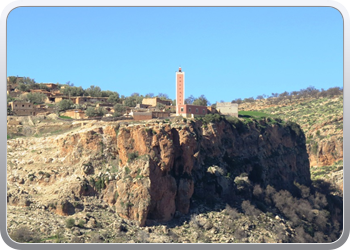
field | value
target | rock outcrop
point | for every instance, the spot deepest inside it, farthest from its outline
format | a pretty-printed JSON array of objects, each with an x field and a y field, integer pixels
[
  {"x": 164, "y": 165},
  {"x": 157, "y": 167}
]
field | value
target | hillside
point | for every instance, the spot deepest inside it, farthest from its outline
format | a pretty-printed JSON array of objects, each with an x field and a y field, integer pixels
[
  {"x": 321, "y": 119},
  {"x": 181, "y": 180}
]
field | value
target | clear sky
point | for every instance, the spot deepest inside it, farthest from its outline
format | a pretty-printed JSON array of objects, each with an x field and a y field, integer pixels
[{"x": 225, "y": 52}]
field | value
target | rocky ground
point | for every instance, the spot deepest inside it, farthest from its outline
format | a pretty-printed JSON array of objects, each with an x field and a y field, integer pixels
[{"x": 97, "y": 222}]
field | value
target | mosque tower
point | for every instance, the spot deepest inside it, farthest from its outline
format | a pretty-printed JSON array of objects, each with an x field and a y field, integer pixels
[{"x": 180, "y": 89}]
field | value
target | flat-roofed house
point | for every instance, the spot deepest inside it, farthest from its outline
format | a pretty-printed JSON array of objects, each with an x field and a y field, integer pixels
[
  {"x": 22, "y": 108},
  {"x": 227, "y": 108}
]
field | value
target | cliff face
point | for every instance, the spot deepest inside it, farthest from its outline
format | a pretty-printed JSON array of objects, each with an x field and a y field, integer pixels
[
  {"x": 150, "y": 172},
  {"x": 164, "y": 165}
]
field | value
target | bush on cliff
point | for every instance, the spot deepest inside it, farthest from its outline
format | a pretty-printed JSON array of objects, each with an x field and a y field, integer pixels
[
  {"x": 212, "y": 118},
  {"x": 70, "y": 223},
  {"x": 24, "y": 235},
  {"x": 132, "y": 156},
  {"x": 237, "y": 124}
]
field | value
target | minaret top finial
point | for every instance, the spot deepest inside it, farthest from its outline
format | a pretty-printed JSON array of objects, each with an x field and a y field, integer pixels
[{"x": 179, "y": 69}]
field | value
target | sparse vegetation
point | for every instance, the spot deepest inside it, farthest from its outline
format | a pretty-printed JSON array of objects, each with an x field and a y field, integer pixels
[
  {"x": 70, "y": 222},
  {"x": 24, "y": 235},
  {"x": 132, "y": 156}
]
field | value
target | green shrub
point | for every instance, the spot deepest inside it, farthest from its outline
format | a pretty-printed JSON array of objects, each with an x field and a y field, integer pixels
[
  {"x": 24, "y": 235},
  {"x": 70, "y": 223},
  {"x": 116, "y": 195},
  {"x": 81, "y": 223},
  {"x": 132, "y": 156},
  {"x": 127, "y": 170},
  {"x": 100, "y": 184}
]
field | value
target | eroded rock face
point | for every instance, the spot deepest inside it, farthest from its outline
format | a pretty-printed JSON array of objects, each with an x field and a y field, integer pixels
[
  {"x": 161, "y": 166},
  {"x": 327, "y": 153},
  {"x": 178, "y": 158}
]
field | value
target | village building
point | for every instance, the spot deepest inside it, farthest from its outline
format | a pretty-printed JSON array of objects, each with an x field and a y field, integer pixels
[
  {"x": 89, "y": 99},
  {"x": 12, "y": 121},
  {"x": 56, "y": 98},
  {"x": 183, "y": 109},
  {"x": 22, "y": 108},
  {"x": 51, "y": 86},
  {"x": 42, "y": 91},
  {"x": 14, "y": 93},
  {"x": 75, "y": 114},
  {"x": 188, "y": 111},
  {"x": 137, "y": 115},
  {"x": 148, "y": 115},
  {"x": 160, "y": 114},
  {"x": 109, "y": 107},
  {"x": 43, "y": 109},
  {"x": 227, "y": 108},
  {"x": 154, "y": 101},
  {"x": 143, "y": 106}
]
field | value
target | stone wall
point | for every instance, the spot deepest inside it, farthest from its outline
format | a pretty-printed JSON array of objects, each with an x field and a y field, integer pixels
[
  {"x": 153, "y": 101},
  {"x": 142, "y": 115},
  {"x": 89, "y": 99},
  {"x": 227, "y": 108}
]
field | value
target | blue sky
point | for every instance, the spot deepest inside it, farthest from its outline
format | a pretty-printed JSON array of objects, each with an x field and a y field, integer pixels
[{"x": 226, "y": 53}]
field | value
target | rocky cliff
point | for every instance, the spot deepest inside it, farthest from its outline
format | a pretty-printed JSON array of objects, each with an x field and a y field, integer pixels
[{"x": 150, "y": 172}]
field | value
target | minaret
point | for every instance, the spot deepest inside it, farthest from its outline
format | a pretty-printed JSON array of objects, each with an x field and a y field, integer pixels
[{"x": 180, "y": 89}]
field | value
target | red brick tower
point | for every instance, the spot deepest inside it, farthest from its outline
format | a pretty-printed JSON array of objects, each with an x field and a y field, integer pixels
[{"x": 180, "y": 89}]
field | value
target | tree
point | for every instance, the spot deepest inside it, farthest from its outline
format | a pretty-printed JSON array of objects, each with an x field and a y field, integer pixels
[
  {"x": 70, "y": 84},
  {"x": 160, "y": 106},
  {"x": 12, "y": 79},
  {"x": 132, "y": 100},
  {"x": 312, "y": 91},
  {"x": 119, "y": 110},
  {"x": 114, "y": 98},
  {"x": 36, "y": 97},
  {"x": 107, "y": 93},
  {"x": 334, "y": 91},
  {"x": 189, "y": 100},
  {"x": 94, "y": 91},
  {"x": 91, "y": 112},
  {"x": 250, "y": 99},
  {"x": 149, "y": 95},
  {"x": 259, "y": 97},
  {"x": 284, "y": 94},
  {"x": 72, "y": 91},
  {"x": 23, "y": 87},
  {"x": 163, "y": 96},
  {"x": 27, "y": 80},
  {"x": 65, "y": 104},
  {"x": 201, "y": 101},
  {"x": 237, "y": 100},
  {"x": 10, "y": 99}
]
